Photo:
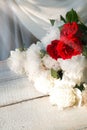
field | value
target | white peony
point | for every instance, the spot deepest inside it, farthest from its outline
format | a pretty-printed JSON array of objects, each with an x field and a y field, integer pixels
[
  {"x": 64, "y": 96},
  {"x": 33, "y": 60},
  {"x": 44, "y": 82},
  {"x": 17, "y": 61},
  {"x": 75, "y": 68}
]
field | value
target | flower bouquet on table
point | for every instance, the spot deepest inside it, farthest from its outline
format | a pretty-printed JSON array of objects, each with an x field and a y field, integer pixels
[{"x": 57, "y": 64}]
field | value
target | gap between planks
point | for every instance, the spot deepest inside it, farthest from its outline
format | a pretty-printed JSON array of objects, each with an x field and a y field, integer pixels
[{"x": 25, "y": 100}]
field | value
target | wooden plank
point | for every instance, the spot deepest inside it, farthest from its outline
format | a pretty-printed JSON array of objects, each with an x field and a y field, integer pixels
[
  {"x": 39, "y": 114},
  {"x": 14, "y": 88}
]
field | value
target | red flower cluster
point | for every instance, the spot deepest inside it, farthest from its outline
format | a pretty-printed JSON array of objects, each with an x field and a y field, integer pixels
[{"x": 69, "y": 44}]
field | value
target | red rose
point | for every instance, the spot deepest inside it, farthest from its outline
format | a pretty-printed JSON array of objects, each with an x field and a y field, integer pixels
[
  {"x": 69, "y": 47},
  {"x": 70, "y": 30},
  {"x": 51, "y": 49}
]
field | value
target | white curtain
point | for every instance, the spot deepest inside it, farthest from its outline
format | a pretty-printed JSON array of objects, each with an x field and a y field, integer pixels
[
  {"x": 35, "y": 14},
  {"x": 12, "y": 33}
]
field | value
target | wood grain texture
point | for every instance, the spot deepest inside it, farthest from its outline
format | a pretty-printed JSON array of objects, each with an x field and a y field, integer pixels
[
  {"x": 39, "y": 114},
  {"x": 14, "y": 88}
]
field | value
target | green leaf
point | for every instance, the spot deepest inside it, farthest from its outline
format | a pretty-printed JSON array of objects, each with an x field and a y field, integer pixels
[
  {"x": 42, "y": 53},
  {"x": 83, "y": 30},
  {"x": 52, "y": 21},
  {"x": 60, "y": 74},
  {"x": 83, "y": 27},
  {"x": 62, "y": 18},
  {"x": 84, "y": 50},
  {"x": 21, "y": 49},
  {"x": 60, "y": 27},
  {"x": 56, "y": 74},
  {"x": 72, "y": 16},
  {"x": 80, "y": 87}
]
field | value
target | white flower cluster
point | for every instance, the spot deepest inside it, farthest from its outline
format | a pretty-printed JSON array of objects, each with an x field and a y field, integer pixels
[
  {"x": 17, "y": 60},
  {"x": 62, "y": 92}
]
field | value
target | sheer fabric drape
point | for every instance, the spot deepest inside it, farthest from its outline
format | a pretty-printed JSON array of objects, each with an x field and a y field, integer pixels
[
  {"x": 12, "y": 33},
  {"x": 35, "y": 14}
]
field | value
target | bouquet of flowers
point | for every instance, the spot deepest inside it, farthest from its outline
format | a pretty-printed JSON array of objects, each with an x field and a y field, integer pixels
[{"x": 57, "y": 64}]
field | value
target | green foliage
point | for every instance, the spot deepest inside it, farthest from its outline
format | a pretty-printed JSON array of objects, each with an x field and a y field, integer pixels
[
  {"x": 80, "y": 87},
  {"x": 56, "y": 74},
  {"x": 71, "y": 16},
  {"x": 52, "y": 21},
  {"x": 83, "y": 29},
  {"x": 85, "y": 50},
  {"x": 42, "y": 53},
  {"x": 62, "y": 19},
  {"x": 23, "y": 48}
]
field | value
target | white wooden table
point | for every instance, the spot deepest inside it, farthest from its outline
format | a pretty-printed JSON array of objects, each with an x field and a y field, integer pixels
[{"x": 23, "y": 108}]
